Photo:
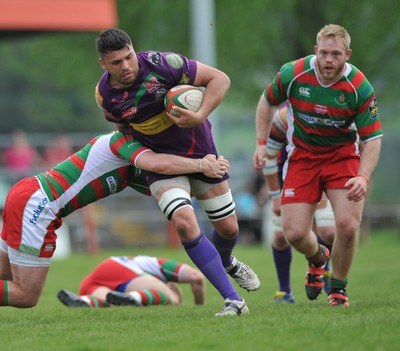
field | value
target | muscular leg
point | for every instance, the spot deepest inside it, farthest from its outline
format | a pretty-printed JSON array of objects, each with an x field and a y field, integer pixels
[
  {"x": 348, "y": 218},
  {"x": 200, "y": 250},
  {"x": 26, "y": 285},
  {"x": 297, "y": 221},
  {"x": 226, "y": 230},
  {"x": 5, "y": 267}
]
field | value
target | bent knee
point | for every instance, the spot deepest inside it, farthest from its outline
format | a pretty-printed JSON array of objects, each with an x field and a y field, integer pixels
[
  {"x": 279, "y": 241},
  {"x": 347, "y": 229},
  {"x": 26, "y": 301}
]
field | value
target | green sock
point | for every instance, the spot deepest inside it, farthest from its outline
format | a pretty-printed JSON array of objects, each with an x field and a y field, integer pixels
[
  {"x": 318, "y": 258},
  {"x": 337, "y": 284}
]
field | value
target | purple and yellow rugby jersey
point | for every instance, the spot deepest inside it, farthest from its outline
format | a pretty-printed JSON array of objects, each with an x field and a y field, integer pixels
[
  {"x": 102, "y": 168},
  {"x": 141, "y": 106},
  {"x": 325, "y": 117}
]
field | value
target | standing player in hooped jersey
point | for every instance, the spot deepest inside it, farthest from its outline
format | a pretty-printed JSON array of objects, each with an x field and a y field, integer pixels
[
  {"x": 324, "y": 221},
  {"x": 131, "y": 93},
  {"x": 330, "y": 102},
  {"x": 35, "y": 206}
]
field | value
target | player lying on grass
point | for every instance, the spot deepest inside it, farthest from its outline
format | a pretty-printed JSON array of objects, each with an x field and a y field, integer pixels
[
  {"x": 35, "y": 206},
  {"x": 136, "y": 281}
]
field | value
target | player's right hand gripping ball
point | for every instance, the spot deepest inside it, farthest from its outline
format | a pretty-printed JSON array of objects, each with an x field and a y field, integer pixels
[{"x": 185, "y": 96}]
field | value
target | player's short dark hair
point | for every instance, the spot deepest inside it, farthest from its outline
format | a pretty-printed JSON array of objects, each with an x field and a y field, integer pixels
[{"x": 112, "y": 39}]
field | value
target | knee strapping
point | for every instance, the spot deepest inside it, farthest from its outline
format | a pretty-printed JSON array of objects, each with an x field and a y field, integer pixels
[
  {"x": 324, "y": 217},
  {"x": 218, "y": 207},
  {"x": 276, "y": 222},
  {"x": 173, "y": 200},
  {"x": 271, "y": 166}
]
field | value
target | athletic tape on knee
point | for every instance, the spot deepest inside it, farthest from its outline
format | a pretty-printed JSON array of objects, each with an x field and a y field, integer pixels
[
  {"x": 271, "y": 166},
  {"x": 324, "y": 217},
  {"x": 218, "y": 207},
  {"x": 273, "y": 147},
  {"x": 276, "y": 222},
  {"x": 173, "y": 200}
]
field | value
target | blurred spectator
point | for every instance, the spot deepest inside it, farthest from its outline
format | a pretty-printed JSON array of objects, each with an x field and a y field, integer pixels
[
  {"x": 20, "y": 158},
  {"x": 58, "y": 150},
  {"x": 249, "y": 202}
]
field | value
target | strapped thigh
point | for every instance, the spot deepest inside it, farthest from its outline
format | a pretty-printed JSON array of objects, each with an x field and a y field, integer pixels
[{"x": 218, "y": 207}]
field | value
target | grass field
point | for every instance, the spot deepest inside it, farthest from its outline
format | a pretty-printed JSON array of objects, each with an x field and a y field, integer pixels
[{"x": 371, "y": 323}]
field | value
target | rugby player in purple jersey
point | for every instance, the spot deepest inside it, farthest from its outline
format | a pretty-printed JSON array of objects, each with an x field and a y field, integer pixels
[
  {"x": 331, "y": 102},
  {"x": 35, "y": 206},
  {"x": 131, "y": 93}
]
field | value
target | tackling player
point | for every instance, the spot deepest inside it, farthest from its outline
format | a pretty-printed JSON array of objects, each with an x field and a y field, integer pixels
[{"x": 35, "y": 206}]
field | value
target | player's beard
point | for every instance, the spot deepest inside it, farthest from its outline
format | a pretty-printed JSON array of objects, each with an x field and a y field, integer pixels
[{"x": 330, "y": 76}]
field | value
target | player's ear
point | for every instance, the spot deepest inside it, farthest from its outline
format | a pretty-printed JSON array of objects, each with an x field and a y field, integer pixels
[
  {"x": 348, "y": 54},
  {"x": 101, "y": 63}
]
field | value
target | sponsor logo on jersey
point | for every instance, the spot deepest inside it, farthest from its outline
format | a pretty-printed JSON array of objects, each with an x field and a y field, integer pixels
[
  {"x": 289, "y": 192},
  {"x": 160, "y": 94},
  {"x": 184, "y": 80},
  {"x": 320, "y": 109},
  {"x": 304, "y": 91},
  {"x": 128, "y": 108},
  {"x": 320, "y": 121},
  {"x": 41, "y": 206},
  {"x": 152, "y": 84},
  {"x": 153, "y": 125},
  {"x": 49, "y": 247},
  {"x": 133, "y": 143},
  {"x": 112, "y": 184},
  {"x": 154, "y": 58},
  {"x": 341, "y": 99},
  {"x": 129, "y": 112},
  {"x": 174, "y": 60},
  {"x": 373, "y": 109},
  {"x": 123, "y": 99}
]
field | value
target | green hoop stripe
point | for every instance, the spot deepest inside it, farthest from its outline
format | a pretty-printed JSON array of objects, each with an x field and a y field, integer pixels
[{"x": 5, "y": 293}]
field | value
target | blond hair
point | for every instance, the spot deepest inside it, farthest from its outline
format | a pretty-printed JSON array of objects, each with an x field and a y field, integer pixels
[{"x": 334, "y": 31}]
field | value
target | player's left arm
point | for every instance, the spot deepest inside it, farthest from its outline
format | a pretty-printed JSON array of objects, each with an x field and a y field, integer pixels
[
  {"x": 264, "y": 117},
  {"x": 209, "y": 165},
  {"x": 216, "y": 83},
  {"x": 131, "y": 150},
  {"x": 369, "y": 160},
  {"x": 197, "y": 282}
]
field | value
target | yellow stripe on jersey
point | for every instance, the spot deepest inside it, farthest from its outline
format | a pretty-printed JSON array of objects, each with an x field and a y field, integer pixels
[{"x": 154, "y": 125}]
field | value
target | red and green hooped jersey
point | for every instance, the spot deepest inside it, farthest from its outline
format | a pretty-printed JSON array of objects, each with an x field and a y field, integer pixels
[
  {"x": 101, "y": 168},
  {"x": 325, "y": 117},
  {"x": 164, "y": 269}
]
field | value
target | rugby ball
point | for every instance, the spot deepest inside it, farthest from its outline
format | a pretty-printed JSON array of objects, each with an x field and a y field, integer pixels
[{"x": 185, "y": 96}]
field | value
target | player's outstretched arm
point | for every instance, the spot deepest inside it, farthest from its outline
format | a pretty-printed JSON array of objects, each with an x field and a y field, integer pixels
[
  {"x": 209, "y": 165},
  {"x": 197, "y": 283},
  {"x": 264, "y": 118}
]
